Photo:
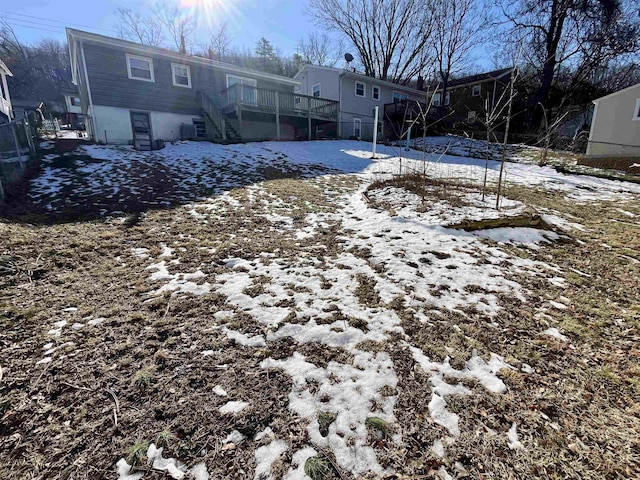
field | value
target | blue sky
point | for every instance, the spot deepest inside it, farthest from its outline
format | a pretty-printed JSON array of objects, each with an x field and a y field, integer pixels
[{"x": 283, "y": 22}]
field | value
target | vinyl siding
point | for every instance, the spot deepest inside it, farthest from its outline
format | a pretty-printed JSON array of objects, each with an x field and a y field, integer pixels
[
  {"x": 614, "y": 132},
  {"x": 111, "y": 86}
]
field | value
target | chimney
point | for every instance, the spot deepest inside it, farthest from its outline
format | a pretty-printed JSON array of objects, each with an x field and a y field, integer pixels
[{"x": 183, "y": 48}]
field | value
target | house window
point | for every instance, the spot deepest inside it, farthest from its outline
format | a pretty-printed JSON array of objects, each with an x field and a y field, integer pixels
[
  {"x": 636, "y": 112},
  {"x": 360, "y": 89},
  {"x": 436, "y": 100},
  {"x": 181, "y": 75},
  {"x": 140, "y": 68},
  {"x": 476, "y": 90},
  {"x": 399, "y": 97},
  {"x": 357, "y": 128},
  {"x": 315, "y": 90},
  {"x": 375, "y": 92},
  {"x": 74, "y": 101},
  {"x": 447, "y": 98},
  {"x": 471, "y": 116}
]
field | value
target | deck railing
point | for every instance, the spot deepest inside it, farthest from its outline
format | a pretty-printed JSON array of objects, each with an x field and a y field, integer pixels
[
  {"x": 5, "y": 107},
  {"x": 284, "y": 102}
]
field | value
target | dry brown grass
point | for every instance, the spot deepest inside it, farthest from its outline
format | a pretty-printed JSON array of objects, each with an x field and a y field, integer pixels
[{"x": 578, "y": 415}]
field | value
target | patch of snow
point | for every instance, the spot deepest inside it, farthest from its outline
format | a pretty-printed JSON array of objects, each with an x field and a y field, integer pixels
[
  {"x": 218, "y": 390},
  {"x": 70, "y": 309},
  {"x": 233, "y": 407},
  {"x": 244, "y": 340},
  {"x": 44, "y": 360},
  {"x": 512, "y": 435},
  {"x": 174, "y": 468},
  {"x": 141, "y": 252},
  {"x": 124, "y": 471},
  {"x": 234, "y": 437},
  {"x": 554, "y": 332},
  {"x": 96, "y": 321},
  {"x": 518, "y": 235},
  {"x": 298, "y": 461},
  {"x": 265, "y": 456},
  {"x": 558, "y": 305},
  {"x": 438, "y": 448}
]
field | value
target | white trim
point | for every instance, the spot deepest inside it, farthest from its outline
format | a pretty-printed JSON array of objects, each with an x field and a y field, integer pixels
[
  {"x": 251, "y": 80},
  {"x": 143, "y": 59},
  {"x": 637, "y": 85},
  {"x": 359, "y": 122},
  {"x": 173, "y": 75},
  {"x": 373, "y": 89},
  {"x": 179, "y": 57},
  {"x": 319, "y": 89},
  {"x": 636, "y": 112},
  {"x": 473, "y": 90},
  {"x": 364, "y": 89},
  {"x": 91, "y": 109},
  {"x": 592, "y": 129}
]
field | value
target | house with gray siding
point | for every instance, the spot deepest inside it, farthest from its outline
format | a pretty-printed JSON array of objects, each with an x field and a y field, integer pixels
[
  {"x": 137, "y": 94},
  {"x": 6, "y": 110},
  {"x": 358, "y": 95}
]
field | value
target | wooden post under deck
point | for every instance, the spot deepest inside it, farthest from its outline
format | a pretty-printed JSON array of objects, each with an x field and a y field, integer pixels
[
  {"x": 277, "y": 116},
  {"x": 309, "y": 120}
]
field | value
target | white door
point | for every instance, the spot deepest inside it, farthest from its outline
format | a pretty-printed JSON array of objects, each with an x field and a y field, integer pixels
[
  {"x": 357, "y": 128},
  {"x": 247, "y": 91}
]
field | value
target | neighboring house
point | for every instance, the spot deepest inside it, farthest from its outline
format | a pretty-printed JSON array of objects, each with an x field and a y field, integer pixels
[
  {"x": 615, "y": 128},
  {"x": 358, "y": 96},
  {"x": 132, "y": 93},
  {"x": 6, "y": 109},
  {"x": 72, "y": 116},
  {"x": 467, "y": 98}
]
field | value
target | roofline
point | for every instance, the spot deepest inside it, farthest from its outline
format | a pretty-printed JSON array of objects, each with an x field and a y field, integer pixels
[
  {"x": 72, "y": 33},
  {"x": 5, "y": 69},
  {"x": 616, "y": 93},
  {"x": 395, "y": 86},
  {"x": 488, "y": 79}
]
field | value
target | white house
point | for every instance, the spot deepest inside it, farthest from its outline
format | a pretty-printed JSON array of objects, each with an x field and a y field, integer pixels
[
  {"x": 6, "y": 111},
  {"x": 357, "y": 94},
  {"x": 615, "y": 128}
]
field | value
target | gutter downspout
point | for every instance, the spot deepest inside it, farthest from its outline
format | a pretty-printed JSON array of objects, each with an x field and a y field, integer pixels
[
  {"x": 340, "y": 105},
  {"x": 592, "y": 129},
  {"x": 86, "y": 76}
]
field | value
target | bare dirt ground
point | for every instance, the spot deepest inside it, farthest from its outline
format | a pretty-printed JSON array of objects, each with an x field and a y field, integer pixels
[{"x": 286, "y": 328}]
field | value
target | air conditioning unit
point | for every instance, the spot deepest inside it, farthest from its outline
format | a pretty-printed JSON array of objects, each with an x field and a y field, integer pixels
[{"x": 188, "y": 131}]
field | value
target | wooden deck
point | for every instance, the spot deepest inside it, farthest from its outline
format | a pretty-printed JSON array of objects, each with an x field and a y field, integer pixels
[{"x": 238, "y": 98}]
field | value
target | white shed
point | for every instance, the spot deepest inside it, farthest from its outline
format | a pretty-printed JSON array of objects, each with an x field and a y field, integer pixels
[{"x": 615, "y": 129}]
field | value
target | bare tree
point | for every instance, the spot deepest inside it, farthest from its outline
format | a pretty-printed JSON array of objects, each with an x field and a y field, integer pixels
[
  {"x": 460, "y": 26},
  {"x": 390, "y": 36},
  {"x": 178, "y": 25},
  {"x": 219, "y": 41},
  {"x": 581, "y": 36},
  {"x": 145, "y": 29},
  {"x": 318, "y": 49}
]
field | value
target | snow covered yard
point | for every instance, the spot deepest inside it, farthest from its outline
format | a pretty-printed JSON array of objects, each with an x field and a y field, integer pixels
[{"x": 293, "y": 311}]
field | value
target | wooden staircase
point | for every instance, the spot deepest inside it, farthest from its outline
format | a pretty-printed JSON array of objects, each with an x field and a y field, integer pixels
[{"x": 218, "y": 129}]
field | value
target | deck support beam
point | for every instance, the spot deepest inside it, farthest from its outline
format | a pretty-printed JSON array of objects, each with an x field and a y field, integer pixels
[{"x": 277, "y": 116}]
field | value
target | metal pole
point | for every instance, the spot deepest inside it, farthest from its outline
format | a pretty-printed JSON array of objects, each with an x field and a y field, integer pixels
[
  {"x": 375, "y": 131},
  {"x": 408, "y": 138}
]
